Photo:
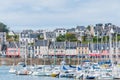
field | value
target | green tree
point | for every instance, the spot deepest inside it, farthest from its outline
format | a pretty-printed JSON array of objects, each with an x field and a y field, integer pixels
[
  {"x": 118, "y": 37},
  {"x": 67, "y": 37},
  {"x": 11, "y": 38},
  {"x": 31, "y": 44},
  {"x": 16, "y": 37},
  {"x": 60, "y": 38},
  {"x": 85, "y": 39},
  {"x": 88, "y": 27},
  {"x": 3, "y": 28},
  {"x": 40, "y": 37},
  {"x": 95, "y": 39},
  {"x": 70, "y": 37}
]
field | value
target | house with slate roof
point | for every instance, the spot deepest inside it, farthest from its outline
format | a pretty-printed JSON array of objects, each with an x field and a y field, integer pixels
[
  {"x": 82, "y": 49},
  {"x": 27, "y": 36},
  {"x": 50, "y": 36},
  {"x": 41, "y": 48},
  {"x": 71, "y": 48},
  {"x": 13, "y": 49},
  {"x": 60, "y": 31},
  {"x": 57, "y": 48},
  {"x": 23, "y": 49},
  {"x": 62, "y": 49},
  {"x": 98, "y": 29},
  {"x": 80, "y": 30},
  {"x": 72, "y": 30}
]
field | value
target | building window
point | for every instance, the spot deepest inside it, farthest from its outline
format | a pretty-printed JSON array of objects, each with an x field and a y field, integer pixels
[
  {"x": 119, "y": 56},
  {"x": 22, "y": 39},
  {"x": 26, "y": 35},
  {"x": 114, "y": 56},
  {"x": 103, "y": 56},
  {"x": 56, "y": 51},
  {"x": 26, "y": 40},
  {"x": 35, "y": 47},
  {"x": 22, "y": 35}
]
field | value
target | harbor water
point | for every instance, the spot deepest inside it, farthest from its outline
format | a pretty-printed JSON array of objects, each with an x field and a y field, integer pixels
[{"x": 5, "y": 75}]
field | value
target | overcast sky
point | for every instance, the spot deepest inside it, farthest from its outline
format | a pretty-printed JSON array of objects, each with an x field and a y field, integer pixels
[{"x": 50, "y": 14}]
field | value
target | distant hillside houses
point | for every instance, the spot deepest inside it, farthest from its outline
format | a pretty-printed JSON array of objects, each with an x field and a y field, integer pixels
[
  {"x": 97, "y": 30},
  {"x": 40, "y": 43}
]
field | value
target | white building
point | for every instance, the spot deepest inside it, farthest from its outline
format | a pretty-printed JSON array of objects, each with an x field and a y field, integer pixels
[
  {"x": 50, "y": 36},
  {"x": 27, "y": 36},
  {"x": 41, "y": 48},
  {"x": 60, "y": 31},
  {"x": 80, "y": 30}
]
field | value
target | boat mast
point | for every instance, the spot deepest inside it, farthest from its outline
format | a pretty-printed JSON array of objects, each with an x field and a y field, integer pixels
[
  {"x": 97, "y": 47},
  {"x": 69, "y": 51},
  {"x": 79, "y": 54},
  {"x": 110, "y": 43},
  {"x": 54, "y": 53},
  {"x": 116, "y": 47},
  {"x": 45, "y": 50}
]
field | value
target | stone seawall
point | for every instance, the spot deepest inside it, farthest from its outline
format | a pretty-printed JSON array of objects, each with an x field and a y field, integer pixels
[{"x": 46, "y": 61}]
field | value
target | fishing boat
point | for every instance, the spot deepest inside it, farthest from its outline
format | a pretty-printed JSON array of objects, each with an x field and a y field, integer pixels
[
  {"x": 117, "y": 76},
  {"x": 106, "y": 74},
  {"x": 116, "y": 72},
  {"x": 55, "y": 72},
  {"x": 66, "y": 72},
  {"x": 12, "y": 70},
  {"x": 66, "y": 75},
  {"x": 79, "y": 74},
  {"x": 38, "y": 73},
  {"x": 24, "y": 71},
  {"x": 90, "y": 77},
  {"x": 43, "y": 71}
]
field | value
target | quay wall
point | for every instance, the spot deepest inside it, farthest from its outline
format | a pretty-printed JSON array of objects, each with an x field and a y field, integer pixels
[{"x": 46, "y": 61}]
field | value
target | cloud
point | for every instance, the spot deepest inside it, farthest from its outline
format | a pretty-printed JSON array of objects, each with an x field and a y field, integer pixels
[{"x": 59, "y": 12}]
